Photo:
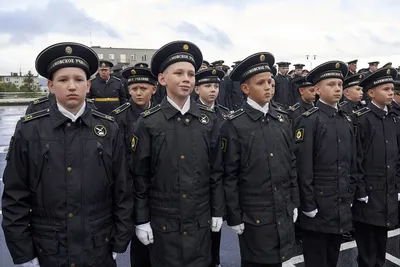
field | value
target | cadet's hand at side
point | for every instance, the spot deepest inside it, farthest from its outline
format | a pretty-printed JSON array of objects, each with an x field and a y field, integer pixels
[
  {"x": 238, "y": 229},
  {"x": 32, "y": 263},
  {"x": 295, "y": 215},
  {"x": 311, "y": 214},
  {"x": 144, "y": 233},
  {"x": 216, "y": 224}
]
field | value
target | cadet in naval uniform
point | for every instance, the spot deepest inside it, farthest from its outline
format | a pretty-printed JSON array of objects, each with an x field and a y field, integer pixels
[
  {"x": 396, "y": 98},
  {"x": 283, "y": 91},
  {"x": 326, "y": 168},
  {"x": 260, "y": 184},
  {"x": 107, "y": 90},
  {"x": 142, "y": 86},
  {"x": 298, "y": 72},
  {"x": 273, "y": 103},
  {"x": 352, "y": 67},
  {"x": 178, "y": 170},
  {"x": 207, "y": 87},
  {"x": 67, "y": 200},
  {"x": 352, "y": 94},
  {"x": 307, "y": 98},
  {"x": 45, "y": 102},
  {"x": 378, "y": 148}
]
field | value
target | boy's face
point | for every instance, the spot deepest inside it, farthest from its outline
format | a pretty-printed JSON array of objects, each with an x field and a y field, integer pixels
[
  {"x": 141, "y": 93},
  {"x": 208, "y": 92},
  {"x": 259, "y": 88},
  {"x": 330, "y": 90},
  {"x": 70, "y": 86},
  {"x": 382, "y": 94},
  {"x": 354, "y": 93},
  {"x": 308, "y": 93},
  {"x": 179, "y": 79}
]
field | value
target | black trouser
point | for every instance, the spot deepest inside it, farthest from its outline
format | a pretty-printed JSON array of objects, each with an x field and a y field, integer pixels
[
  {"x": 140, "y": 254},
  {"x": 371, "y": 243},
  {"x": 215, "y": 245},
  {"x": 321, "y": 249},
  {"x": 251, "y": 264}
]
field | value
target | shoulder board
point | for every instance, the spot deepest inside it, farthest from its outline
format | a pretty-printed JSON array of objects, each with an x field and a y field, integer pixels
[
  {"x": 150, "y": 111},
  {"x": 92, "y": 78},
  {"x": 362, "y": 111},
  {"x": 223, "y": 107},
  {"x": 204, "y": 107},
  {"x": 40, "y": 100},
  {"x": 102, "y": 115},
  {"x": 116, "y": 78},
  {"x": 120, "y": 108},
  {"x": 294, "y": 107},
  {"x": 89, "y": 100},
  {"x": 343, "y": 103},
  {"x": 310, "y": 111},
  {"x": 235, "y": 114},
  {"x": 35, "y": 115}
]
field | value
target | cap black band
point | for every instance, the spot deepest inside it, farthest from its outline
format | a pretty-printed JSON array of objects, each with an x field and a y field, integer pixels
[
  {"x": 328, "y": 75},
  {"x": 380, "y": 81},
  {"x": 208, "y": 80},
  {"x": 178, "y": 57},
  {"x": 260, "y": 68},
  {"x": 141, "y": 79},
  {"x": 350, "y": 84},
  {"x": 304, "y": 84},
  {"x": 68, "y": 61}
]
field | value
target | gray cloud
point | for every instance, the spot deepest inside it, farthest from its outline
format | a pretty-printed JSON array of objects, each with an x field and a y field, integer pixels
[
  {"x": 213, "y": 35},
  {"x": 59, "y": 16}
]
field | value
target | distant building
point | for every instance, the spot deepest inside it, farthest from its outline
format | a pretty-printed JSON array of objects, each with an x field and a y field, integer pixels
[
  {"x": 126, "y": 56},
  {"x": 18, "y": 79}
]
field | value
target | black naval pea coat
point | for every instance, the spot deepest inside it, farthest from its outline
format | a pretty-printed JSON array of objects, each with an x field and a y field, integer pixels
[
  {"x": 283, "y": 90},
  {"x": 45, "y": 103},
  {"x": 260, "y": 182},
  {"x": 326, "y": 168},
  {"x": 178, "y": 182},
  {"x": 349, "y": 106},
  {"x": 378, "y": 166},
  {"x": 299, "y": 108},
  {"x": 101, "y": 89},
  {"x": 66, "y": 195}
]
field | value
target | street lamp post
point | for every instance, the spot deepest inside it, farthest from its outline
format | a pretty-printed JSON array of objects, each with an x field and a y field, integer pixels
[{"x": 310, "y": 59}]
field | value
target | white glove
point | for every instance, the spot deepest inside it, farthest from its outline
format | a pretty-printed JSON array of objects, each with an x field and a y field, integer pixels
[
  {"x": 295, "y": 215},
  {"x": 398, "y": 196},
  {"x": 238, "y": 229},
  {"x": 32, "y": 263},
  {"x": 114, "y": 255},
  {"x": 216, "y": 224},
  {"x": 311, "y": 214},
  {"x": 144, "y": 233},
  {"x": 363, "y": 199}
]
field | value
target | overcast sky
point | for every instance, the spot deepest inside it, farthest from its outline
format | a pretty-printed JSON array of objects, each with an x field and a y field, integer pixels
[{"x": 367, "y": 30}]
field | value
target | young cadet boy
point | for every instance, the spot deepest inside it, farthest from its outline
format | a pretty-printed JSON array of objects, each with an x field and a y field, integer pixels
[
  {"x": 207, "y": 87},
  {"x": 67, "y": 199},
  {"x": 307, "y": 98},
  {"x": 178, "y": 179},
  {"x": 261, "y": 191},
  {"x": 326, "y": 164},
  {"x": 352, "y": 94},
  {"x": 141, "y": 87},
  {"x": 376, "y": 208}
]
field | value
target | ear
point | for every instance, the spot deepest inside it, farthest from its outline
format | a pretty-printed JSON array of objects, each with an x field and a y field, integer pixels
[
  {"x": 301, "y": 90},
  {"x": 154, "y": 90},
  {"x": 196, "y": 89},
  {"x": 161, "y": 79},
  {"x": 371, "y": 93},
  {"x": 50, "y": 85},
  {"x": 89, "y": 84},
  {"x": 317, "y": 89},
  {"x": 245, "y": 88}
]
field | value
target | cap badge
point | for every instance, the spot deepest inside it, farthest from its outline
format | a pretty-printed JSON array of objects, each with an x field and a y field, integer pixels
[
  {"x": 68, "y": 50},
  {"x": 214, "y": 71},
  {"x": 388, "y": 72},
  {"x": 185, "y": 47},
  {"x": 337, "y": 65},
  {"x": 103, "y": 64},
  {"x": 133, "y": 72},
  {"x": 361, "y": 76},
  {"x": 262, "y": 58}
]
